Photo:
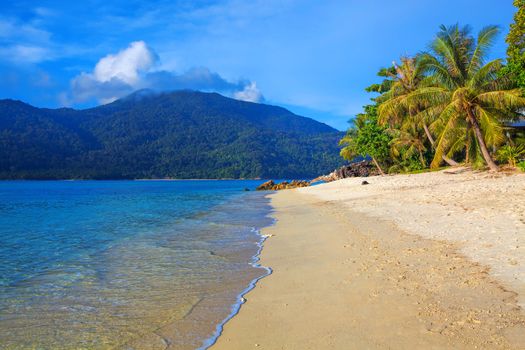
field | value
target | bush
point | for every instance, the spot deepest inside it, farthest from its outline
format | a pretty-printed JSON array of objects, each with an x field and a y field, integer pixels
[{"x": 511, "y": 154}]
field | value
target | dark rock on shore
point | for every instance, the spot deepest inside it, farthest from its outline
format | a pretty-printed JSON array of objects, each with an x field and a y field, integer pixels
[
  {"x": 285, "y": 185},
  {"x": 358, "y": 169},
  {"x": 267, "y": 186},
  {"x": 364, "y": 168}
]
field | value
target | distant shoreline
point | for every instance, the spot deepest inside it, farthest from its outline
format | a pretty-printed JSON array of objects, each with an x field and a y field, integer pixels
[{"x": 145, "y": 179}]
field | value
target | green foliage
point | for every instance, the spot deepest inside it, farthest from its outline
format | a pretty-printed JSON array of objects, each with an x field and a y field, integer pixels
[
  {"x": 516, "y": 49},
  {"x": 445, "y": 103},
  {"x": 406, "y": 166},
  {"x": 510, "y": 154},
  {"x": 408, "y": 151},
  {"x": 181, "y": 135},
  {"x": 521, "y": 165},
  {"x": 367, "y": 138},
  {"x": 372, "y": 139},
  {"x": 466, "y": 96}
]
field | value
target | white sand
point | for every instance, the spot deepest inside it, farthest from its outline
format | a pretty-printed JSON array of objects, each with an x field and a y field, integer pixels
[
  {"x": 483, "y": 212},
  {"x": 406, "y": 262}
]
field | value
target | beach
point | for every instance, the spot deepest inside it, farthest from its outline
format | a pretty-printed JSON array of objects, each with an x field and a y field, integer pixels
[{"x": 426, "y": 261}]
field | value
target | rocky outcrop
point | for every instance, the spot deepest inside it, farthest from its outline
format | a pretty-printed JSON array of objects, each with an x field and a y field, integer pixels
[
  {"x": 285, "y": 185},
  {"x": 357, "y": 169},
  {"x": 267, "y": 186}
]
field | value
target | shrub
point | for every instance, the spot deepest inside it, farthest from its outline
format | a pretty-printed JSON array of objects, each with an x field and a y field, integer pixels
[{"x": 511, "y": 154}]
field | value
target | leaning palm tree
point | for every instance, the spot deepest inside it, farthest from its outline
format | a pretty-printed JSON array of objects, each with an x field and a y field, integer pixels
[
  {"x": 466, "y": 93},
  {"x": 402, "y": 80}
]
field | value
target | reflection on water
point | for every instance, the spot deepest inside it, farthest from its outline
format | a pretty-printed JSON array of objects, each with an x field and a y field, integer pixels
[{"x": 139, "y": 265}]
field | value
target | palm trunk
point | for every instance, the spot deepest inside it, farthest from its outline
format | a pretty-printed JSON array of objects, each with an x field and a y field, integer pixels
[
  {"x": 378, "y": 167},
  {"x": 467, "y": 144},
  {"x": 481, "y": 141},
  {"x": 429, "y": 135},
  {"x": 422, "y": 159},
  {"x": 447, "y": 160}
]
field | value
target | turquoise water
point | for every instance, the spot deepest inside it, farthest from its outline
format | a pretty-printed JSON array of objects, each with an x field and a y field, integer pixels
[{"x": 124, "y": 264}]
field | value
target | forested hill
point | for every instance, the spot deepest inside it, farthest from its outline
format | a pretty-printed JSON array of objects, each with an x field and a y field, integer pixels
[{"x": 183, "y": 134}]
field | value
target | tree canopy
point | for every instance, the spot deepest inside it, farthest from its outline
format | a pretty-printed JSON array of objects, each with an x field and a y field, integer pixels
[
  {"x": 516, "y": 49},
  {"x": 449, "y": 104},
  {"x": 183, "y": 134},
  {"x": 367, "y": 138}
]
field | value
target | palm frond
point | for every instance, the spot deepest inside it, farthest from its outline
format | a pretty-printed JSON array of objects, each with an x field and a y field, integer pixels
[
  {"x": 502, "y": 99},
  {"x": 449, "y": 118},
  {"x": 428, "y": 96},
  {"x": 485, "y": 40},
  {"x": 458, "y": 138},
  {"x": 485, "y": 75},
  {"x": 438, "y": 74},
  {"x": 493, "y": 131}
]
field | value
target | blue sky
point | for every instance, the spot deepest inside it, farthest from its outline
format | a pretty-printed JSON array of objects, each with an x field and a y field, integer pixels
[{"x": 313, "y": 57}]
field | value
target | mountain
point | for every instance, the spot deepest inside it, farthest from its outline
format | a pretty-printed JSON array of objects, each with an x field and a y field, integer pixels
[{"x": 182, "y": 134}]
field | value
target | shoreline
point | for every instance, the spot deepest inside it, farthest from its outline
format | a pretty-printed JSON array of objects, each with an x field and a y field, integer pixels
[
  {"x": 344, "y": 279},
  {"x": 240, "y": 299},
  {"x": 167, "y": 333},
  {"x": 141, "y": 179}
]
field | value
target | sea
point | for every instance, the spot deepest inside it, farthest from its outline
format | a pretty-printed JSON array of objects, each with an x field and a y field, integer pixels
[{"x": 126, "y": 264}]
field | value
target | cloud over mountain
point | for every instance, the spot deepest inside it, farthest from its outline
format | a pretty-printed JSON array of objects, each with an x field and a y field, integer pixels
[{"x": 133, "y": 68}]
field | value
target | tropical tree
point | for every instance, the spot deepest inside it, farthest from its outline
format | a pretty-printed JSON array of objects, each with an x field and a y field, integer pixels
[
  {"x": 407, "y": 143},
  {"x": 366, "y": 138},
  {"x": 466, "y": 95},
  {"x": 394, "y": 110},
  {"x": 511, "y": 154},
  {"x": 516, "y": 49}
]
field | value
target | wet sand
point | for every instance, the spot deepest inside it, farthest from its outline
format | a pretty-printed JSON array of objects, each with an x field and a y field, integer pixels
[{"x": 369, "y": 277}]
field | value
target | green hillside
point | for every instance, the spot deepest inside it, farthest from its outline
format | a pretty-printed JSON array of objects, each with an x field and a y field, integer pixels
[{"x": 183, "y": 134}]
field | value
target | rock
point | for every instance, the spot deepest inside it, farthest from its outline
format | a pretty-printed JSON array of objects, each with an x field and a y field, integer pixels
[
  {"x": 364, "y": 168},
  {"x": 285, "y": 185},
  {"x": 267, "y": 186},
  {"x": 365, "y": 183}
]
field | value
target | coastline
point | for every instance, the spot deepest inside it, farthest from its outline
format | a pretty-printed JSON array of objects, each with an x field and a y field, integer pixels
[
  {"x": 347, "y": 277},
  {"x": 240, "y": 300},
  {"x": 205, "y": 310}
]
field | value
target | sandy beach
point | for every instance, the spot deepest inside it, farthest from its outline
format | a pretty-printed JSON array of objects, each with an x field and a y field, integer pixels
[{"x": 428, "y": 261}]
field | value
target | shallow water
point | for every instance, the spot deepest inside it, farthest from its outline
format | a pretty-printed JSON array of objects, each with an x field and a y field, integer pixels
[{"x": 124, "y": 264}]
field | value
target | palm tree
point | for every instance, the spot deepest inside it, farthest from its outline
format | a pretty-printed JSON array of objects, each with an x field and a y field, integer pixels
[
  {"x": 466, "y": 95},
  {"x": 407, "y": 142},
  {"x": 402, "y": 80}
]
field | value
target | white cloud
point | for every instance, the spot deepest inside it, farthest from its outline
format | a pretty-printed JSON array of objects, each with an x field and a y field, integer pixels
[
  {"x": 114, "y": 75},
  {"x": 125, "y": 65},
  {"x": 133, "y": 68},
  {"x": 250, "y": 93}
]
